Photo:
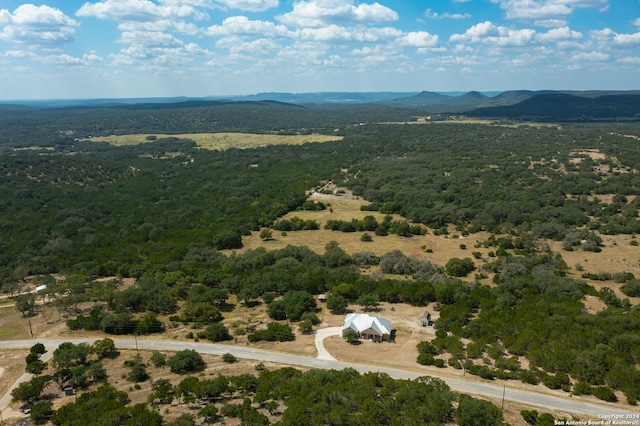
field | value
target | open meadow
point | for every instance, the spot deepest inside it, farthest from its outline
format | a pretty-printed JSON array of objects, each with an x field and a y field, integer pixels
[{"x": 220, "y": 141}]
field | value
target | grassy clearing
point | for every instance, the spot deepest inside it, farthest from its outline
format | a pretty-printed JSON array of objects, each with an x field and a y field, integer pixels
[
  {"x": 618, "y": 255},
  {"x": 221, "y": 141},
  {"x": 425, "y": 120}
]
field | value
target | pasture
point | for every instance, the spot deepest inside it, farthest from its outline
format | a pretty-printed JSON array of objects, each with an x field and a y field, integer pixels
[{"x": 221, "y": 141}]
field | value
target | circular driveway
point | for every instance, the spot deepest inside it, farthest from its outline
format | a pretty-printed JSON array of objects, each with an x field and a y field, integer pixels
[{"x": 322, "y": 334}]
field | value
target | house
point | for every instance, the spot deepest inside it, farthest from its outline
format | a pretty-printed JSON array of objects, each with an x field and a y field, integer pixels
[
  {"x": 425, "y": 319},
  {"x": 368, "y": 327}
]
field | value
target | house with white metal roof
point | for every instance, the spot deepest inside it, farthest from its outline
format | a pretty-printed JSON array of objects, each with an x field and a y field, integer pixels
[{"x": 368, "y": 327}]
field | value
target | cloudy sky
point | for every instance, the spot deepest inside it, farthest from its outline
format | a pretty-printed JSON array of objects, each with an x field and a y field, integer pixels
[{"x": 133, "y": 48}]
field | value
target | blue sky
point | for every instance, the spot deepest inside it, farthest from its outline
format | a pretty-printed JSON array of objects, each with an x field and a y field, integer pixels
[{"x": 140, "y": 48}]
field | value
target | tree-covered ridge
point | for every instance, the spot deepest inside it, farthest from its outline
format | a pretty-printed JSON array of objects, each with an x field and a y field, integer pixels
[{"x": 24, "y": 128}]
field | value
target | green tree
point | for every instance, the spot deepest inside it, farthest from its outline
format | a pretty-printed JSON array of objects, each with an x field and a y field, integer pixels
[
  {"x": 36, "y": 367},
  {"x": 297, "y": 302},
  {"x": 209, "y": 412},
  {"x": 305, "y": 326},
  {"x": 41, "y": 412},
  {"x": 30, "y": 391},
  {"x": 351, "y": 336},
  {"x": 227, "y": 240},
  {"x": 277, "y": 310},
  {"x": 337, "y": 303},
  {"x": 26, "y": 304},
  {"x": 69, "y": 355},
  {"x": 459, "y": 267},
  {"x": 162, "y": 391},
  {"x": 38, "y": 348},
  {"x": 368, "y": 301},
  {"x": 158, "y": 359},
  {"x": 186, "y": 361},
  {"x": 105, "y": 348},
  {"x": 266, "y": 234},
  {"x": 476, "y": 412}
]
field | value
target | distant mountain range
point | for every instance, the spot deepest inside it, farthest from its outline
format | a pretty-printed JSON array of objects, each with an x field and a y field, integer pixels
[{"x": 515, "y": 104}]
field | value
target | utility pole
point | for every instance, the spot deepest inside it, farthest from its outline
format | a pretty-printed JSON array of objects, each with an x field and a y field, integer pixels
[{"x": 504, "y": 389}]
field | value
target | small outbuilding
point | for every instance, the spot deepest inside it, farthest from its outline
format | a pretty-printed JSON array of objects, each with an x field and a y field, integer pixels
[
  {"x": 425, "y": 319},
  {"x": 322, "y": 298},
  {"x": 368, "y": 327}
]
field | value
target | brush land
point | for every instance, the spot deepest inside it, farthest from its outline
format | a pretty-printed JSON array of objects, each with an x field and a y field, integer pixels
[{"x": 525, "y": 238}]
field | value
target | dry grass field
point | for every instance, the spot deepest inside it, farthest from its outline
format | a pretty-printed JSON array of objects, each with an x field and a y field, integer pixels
[{"x": 221, "y": 141}]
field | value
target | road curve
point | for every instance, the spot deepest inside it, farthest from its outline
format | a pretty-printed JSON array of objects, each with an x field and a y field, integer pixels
[
  {"x": 322, "y": 334},
  {"x": 547, "y": 402}
]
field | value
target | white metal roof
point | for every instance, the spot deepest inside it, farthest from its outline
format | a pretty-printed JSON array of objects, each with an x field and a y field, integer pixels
[{"x": 362, "y": 322}]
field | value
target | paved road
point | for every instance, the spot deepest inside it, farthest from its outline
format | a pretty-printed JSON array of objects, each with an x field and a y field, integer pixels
[{"x": 490, "y": 390}]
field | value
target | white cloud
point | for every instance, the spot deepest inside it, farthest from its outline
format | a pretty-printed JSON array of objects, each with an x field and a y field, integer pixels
[
  {"x": 161, "y": 25},
  {"x": 630, "y": 60},
  {"x": 254, "y": 47},
  {"x": 590, "y": 56},
  {"x": 627, "y": 39},
  {"x": 242, "y": 25},
  {"x": 435, "y": 15},
  {"x": 546, "y": 9},
  {"x": 558, "y": 34},
  {"x": 636, "y": 22},
  {"x": 138, "y": 10},
  {"x": 250, "y": 5},
  {"x": 41, "y": 26},
  {"x": 609, "y": 37},
  {"x": 551, "y": 23},
  {"x": 315, "y": 13},
  {"x": 149, "y": 39},
  {"x": 63, "y": 59},
  {"x": 419, "y": 39},
  {"x": 349, "y": 34},
  {"x": 487, "y": 32},
  {"x": 19, "y": 54}
]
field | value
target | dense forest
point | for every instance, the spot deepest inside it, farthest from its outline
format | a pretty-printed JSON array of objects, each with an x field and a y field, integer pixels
[{"x": 161, "y": 212}]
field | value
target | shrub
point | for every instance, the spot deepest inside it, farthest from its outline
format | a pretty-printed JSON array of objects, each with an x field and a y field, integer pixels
[
  {"x": 215, "y": 332},
  {"x": 274, "y": 332},
  {"x": 426, "y": 359},
  {"x": 582, "y": 388},
  {"x": 230, "y": 358},
  {"x": 530, "y": 416},
  {"x": 186, "y": 361},
  {"x": 604, "y": 393},
  {"x": 351, "y": 336},
  {"x": 453, "y": 362},
  {"x": 158, "y": 359}
]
